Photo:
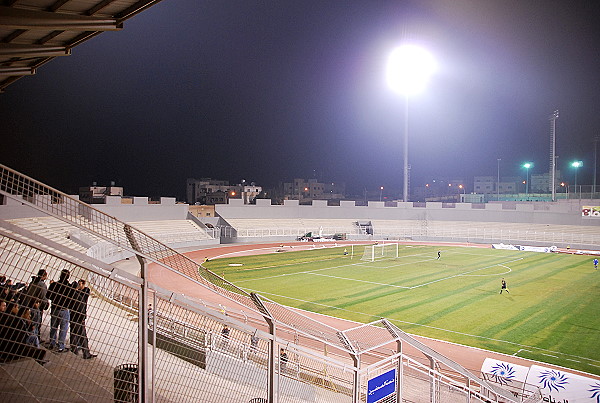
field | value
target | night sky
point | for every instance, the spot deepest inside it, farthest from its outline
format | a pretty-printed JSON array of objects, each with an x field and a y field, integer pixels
[{"x": 267, "y": 91}]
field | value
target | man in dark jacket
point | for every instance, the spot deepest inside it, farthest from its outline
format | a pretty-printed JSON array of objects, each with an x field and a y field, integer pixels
[
  {"x": 61, "y": 294},
  {"x": 34, "y": 298},
  {"x": 79, "y": 339}
]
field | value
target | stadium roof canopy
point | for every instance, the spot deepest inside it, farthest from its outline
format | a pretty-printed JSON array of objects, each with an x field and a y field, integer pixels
[{"x": 33, "y": 32}]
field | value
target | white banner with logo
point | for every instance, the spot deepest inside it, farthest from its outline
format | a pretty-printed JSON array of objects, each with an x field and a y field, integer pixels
[{"x": 557, "y": 386}]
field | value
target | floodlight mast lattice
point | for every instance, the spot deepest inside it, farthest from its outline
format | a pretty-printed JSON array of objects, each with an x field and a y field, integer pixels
[
  {"x": 408, "y": 70},
  {"x": 498, "y": 181},
  {"x": 553, "y": 118}
]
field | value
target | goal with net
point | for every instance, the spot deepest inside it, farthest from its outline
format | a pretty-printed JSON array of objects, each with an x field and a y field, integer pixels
[{"x": 380, "y": 251}]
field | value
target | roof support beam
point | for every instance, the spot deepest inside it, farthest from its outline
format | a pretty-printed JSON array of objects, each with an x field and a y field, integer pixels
[
  {"x": 21, "y": 51},
  {"x": 16, "y": 71},
  {"x": 136, "y": 8},
  {"x": 16, "y": 18},
  {"x": 57, "y": 5}
]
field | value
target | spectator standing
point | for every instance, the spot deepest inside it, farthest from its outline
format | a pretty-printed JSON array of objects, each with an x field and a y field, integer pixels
[
  {"x": 61, "y": 294},
  {"x": 34, "y": 297},
  {"x": 150, "y": 316},
  {"x": 225, "y": 336},
  {"x": 283, "y": 359},
  {"x": 254, "y": 342},
  {"x": 79, "y": 339}
]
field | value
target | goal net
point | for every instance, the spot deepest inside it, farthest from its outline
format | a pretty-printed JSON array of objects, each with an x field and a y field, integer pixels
[{"x": 380, "y": 251}]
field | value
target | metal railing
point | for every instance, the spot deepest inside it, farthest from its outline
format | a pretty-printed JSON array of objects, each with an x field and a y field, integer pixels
[{"x": 186, "y": 357}]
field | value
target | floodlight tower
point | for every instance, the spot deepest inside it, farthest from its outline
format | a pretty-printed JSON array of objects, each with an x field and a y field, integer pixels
[
  {"x": 527, "y": 165},
  {"x": 408, "y": 70},
  {"x": 553, "y": 118},
  {"x": 595, "y": 164},
  {"x": 498, "y": 181},
  {"x": 576, "y": 165}
]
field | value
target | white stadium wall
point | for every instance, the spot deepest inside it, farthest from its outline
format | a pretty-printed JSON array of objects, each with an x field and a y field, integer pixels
[
  {"x": 557, "y": 213},
  {"x": 142, "y": 210}
]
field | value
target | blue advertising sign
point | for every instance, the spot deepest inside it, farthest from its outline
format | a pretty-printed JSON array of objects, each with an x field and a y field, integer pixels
[{"x": 381, "y": 386}]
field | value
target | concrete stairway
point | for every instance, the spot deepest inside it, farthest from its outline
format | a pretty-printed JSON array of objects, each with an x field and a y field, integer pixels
[{"x": 64, "y": 378}]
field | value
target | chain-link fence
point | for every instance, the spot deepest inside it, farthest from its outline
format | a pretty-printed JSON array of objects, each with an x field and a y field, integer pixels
[{"x": 193, "y": 350}]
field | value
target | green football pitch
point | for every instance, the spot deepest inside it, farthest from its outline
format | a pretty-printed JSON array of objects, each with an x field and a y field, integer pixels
[{"x": 552, "y": 313}]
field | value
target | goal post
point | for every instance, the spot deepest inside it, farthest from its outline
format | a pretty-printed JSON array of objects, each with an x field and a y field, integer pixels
[{"x": 380, "y": 251}]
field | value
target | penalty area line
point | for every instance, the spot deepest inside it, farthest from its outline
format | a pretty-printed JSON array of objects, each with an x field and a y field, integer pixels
[{"x": 360, "y": 281}]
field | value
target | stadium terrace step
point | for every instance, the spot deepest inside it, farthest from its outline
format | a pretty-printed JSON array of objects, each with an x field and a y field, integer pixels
[
  {"x": 35, "y": 381},
  {"x": 93, "y": 378},
  {"x": 10, "y": 389}
]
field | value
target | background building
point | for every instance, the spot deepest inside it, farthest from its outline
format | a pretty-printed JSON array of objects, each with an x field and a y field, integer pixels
[
  {"x": 311, "y": 189},
  {"x": 212, "y": 191},
  {"x": 97, "y": 194}
]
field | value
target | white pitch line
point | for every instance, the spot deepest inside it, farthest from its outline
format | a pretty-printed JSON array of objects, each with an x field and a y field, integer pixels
[
  {"x": 487, "y": 275},
  {"x": 462, "y": 274},
  {"x": 264, "y": 278},
  {"x": 360, "y": 281},
  {"x": 521, "y": 349}
]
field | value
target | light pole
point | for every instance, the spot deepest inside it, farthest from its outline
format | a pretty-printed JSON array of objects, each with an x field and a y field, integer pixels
[
  {"x": 527, "y": 165},
  {"x": 576, "y": 165},
  {"x": 380, "y": 192},
  {"x": 553, "y": 118},
  {"x": 595, "y": 164},
  {"x": 408, "y": 70},
  {"x": 498, "y": 182}
]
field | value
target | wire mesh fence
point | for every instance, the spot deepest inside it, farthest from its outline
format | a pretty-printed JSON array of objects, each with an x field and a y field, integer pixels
[
  {"x": 192, "y": 354},
  {"x": 39, "y": 326},
  {"x": 195, "y": 350}
]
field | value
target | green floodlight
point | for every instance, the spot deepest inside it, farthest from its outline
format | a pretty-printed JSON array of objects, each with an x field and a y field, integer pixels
[{"x": 576, "y": 165}]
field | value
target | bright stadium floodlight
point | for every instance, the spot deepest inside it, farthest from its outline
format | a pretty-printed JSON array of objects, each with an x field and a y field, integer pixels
[
  {"x": 408, "y": 70},
  {"x": 527, "y": 165}
]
